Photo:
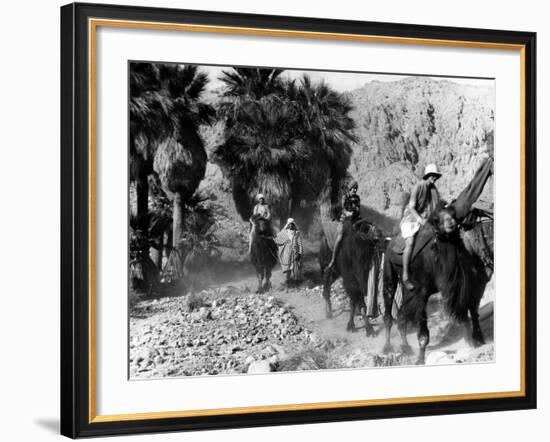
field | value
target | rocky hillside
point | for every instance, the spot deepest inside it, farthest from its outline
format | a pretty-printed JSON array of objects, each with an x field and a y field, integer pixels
[
  {"x": 404, "y": 125},
  {"x": 232, "y": 231}
]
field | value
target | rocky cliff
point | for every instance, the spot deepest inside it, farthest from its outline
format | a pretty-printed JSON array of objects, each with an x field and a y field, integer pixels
[{"x": 406, "y": 124}]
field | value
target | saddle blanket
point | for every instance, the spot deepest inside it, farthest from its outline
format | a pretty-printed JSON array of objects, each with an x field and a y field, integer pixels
[{"x": 424, "y": 236}]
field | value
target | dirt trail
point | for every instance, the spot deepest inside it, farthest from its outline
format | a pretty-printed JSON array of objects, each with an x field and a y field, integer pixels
[
  {"x": 446, "y": 338},
  {"x": 231, "y": 329}
]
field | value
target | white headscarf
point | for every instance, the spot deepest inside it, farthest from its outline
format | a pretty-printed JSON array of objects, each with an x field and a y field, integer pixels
[{"x": 289, "y": 222}]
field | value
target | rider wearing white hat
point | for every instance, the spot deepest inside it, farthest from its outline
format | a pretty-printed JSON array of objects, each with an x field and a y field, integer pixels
[
  {"x": 431, "y": 169},
  {"x": 262, "y": 208},
  {"x": 423, "y": 201}
]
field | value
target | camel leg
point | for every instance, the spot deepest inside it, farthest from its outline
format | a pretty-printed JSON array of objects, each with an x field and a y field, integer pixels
[
  {"x": 423, "y": 337},
  {"x": 267, "y": 284},
  {"x": 388, "y": 323},
  {"x": 352, "y": 309},
  {"x": 477, "y": 334},
  {"x": 327, "y": 283},
  {"x": 405, "y": 347},
  {"x": 260, "y": 289},
  {"x": 390, "y": 286},
  {"x": 369, "y": 330}
]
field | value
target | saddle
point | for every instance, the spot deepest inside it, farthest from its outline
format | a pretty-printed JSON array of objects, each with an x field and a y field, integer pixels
[
  {"x": 360, "y": 225},
  {"x": 475, "y": 216},
  {"x": 425, "y": 236}
]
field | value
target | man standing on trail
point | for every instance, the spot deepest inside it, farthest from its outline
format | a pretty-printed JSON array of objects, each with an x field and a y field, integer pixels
[
  {"x": 351, "y": 209},
  {"x": 289, "y": 241},
  {"x": 423, "y": 201},
  {"x": 262, "y": 210}
]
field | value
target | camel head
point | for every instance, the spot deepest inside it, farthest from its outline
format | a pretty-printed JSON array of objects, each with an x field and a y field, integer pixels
[
  {"x": 444, "y": 221},
  {"x": 367, "y": 238},
  {"x": 262, "y": 224}
]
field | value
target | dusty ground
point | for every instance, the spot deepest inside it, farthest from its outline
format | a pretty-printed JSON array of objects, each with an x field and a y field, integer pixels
[{"x": 229, "y": 329}]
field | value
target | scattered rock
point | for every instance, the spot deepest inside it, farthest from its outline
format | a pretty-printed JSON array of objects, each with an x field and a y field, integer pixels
[
  {"x": 268, "y": 351},
  {"x": 260, "y": 367},
  {"x": 205, "y": 313},
  {"x": 435, "y": 357},
  {"x": 463, "y": 354},
  {"x": 232, "y": 332}
]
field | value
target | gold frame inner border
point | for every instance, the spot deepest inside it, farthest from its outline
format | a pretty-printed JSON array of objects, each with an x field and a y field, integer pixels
[{"x": 93, "y": 24}]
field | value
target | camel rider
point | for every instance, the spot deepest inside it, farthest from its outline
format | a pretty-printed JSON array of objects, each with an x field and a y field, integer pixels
[
  {"x": 352, "y": 203},
  {"x": 351, "y": 209},
  {"x": 262, "y": 210},
  {"x": 423, "y": 201}
]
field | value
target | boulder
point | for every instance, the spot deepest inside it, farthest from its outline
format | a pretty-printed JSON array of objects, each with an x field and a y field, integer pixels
[
  {"x": 205, "y": 314},
  {"x": 436, "y": 357},
  {"x": 260, "y": 367}
]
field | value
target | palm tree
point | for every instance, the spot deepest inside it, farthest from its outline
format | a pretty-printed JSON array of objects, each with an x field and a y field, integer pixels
[
  {"x": 180, "y": 159},
  {"x": 287, "y": 141},
  {"x": 150, "y": 122},
  {"x": 257, "y": 120},
  {"x": 165, "y": 113},
  {"x": 258, "y": 153},
  {"x": 252, "y": 83},
  {"x": 327, "y": 129}
]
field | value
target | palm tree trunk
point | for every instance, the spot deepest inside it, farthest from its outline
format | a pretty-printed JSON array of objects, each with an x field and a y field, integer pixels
[
  {"x": 156, "y": 252},
  {"x": 142, "y": 190},
  {"x": 177, "y": 220},
  {"x": 177, "y": 232},
  {"x": 149, "y": 271},
  {"x": 169, "y": 243},
  {"x": 160, "y": 251},
  {"x": 325, "y": 206}
]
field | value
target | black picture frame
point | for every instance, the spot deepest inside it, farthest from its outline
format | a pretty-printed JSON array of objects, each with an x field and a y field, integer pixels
[{"x": 75, "y": 220}]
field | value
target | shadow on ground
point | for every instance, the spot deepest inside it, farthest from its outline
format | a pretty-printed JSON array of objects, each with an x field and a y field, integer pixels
[{"x": 51, "y": 425}]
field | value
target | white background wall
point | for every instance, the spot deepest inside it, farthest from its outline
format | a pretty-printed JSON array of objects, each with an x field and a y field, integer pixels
[{"x": 29, "y": 219}]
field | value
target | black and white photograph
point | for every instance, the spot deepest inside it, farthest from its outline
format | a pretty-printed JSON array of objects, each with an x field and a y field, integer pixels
[
  {"x": 275, "y": 221},
  {"x": 287, "y": 220}
]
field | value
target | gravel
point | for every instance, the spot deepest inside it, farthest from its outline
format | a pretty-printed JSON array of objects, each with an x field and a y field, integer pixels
[{"x": 231, "y": 332}]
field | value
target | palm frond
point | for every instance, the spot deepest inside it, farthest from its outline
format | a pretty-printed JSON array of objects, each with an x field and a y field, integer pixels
[
  {"x": 285, "y": 138},
  {"x": 252, "y": 82}
]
